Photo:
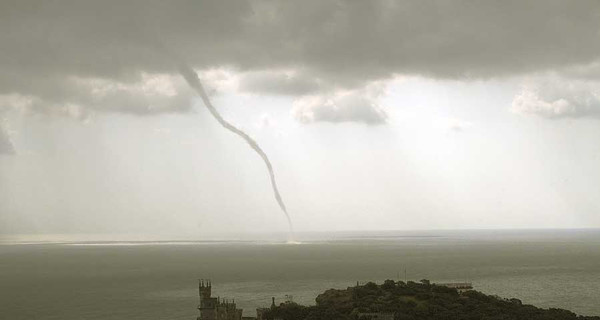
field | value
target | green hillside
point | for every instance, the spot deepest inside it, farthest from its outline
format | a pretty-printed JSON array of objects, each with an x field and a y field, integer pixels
[{"x": 399, "y": 300}]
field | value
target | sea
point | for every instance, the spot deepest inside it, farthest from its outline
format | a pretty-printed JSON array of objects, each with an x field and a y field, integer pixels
[{"x": 120, "y": 280}]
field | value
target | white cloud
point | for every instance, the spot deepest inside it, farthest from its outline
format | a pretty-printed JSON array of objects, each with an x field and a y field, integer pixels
[
  {"x": 557, "y": 98},
  {"x": 6, "y": 145},
  {"x": 343, "y": 106},
  {"x": 80, "y": 97}
]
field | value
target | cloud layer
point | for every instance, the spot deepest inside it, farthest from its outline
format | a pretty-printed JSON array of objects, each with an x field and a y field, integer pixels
[{"x": 76, "y": 57}]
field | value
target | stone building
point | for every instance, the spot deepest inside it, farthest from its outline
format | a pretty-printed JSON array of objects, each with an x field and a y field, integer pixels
[{"x": 214, "y": 308}]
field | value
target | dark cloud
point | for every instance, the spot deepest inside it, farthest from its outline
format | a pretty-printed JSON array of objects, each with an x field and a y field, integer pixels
[
  {"x": 584, "y": 72},
  {"x": 58, "y": 52},
  {"x": 280, "y": 83}
]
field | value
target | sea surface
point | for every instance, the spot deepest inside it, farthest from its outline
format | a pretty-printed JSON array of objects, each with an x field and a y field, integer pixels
[{"x": 159, "y": 280}]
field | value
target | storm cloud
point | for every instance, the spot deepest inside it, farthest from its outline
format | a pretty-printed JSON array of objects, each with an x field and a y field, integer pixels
[{"x": 79, "y": 57}]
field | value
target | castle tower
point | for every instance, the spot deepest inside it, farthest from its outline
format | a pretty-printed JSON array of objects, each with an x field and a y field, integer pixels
[
  {"x": 215, "y": 308},
  {"x": 204, "y": 288},
  {"x": 208, "y": 304}
]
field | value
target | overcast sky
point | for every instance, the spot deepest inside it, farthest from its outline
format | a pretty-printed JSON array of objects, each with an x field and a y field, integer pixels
[{"x": 375, "y": 114}]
